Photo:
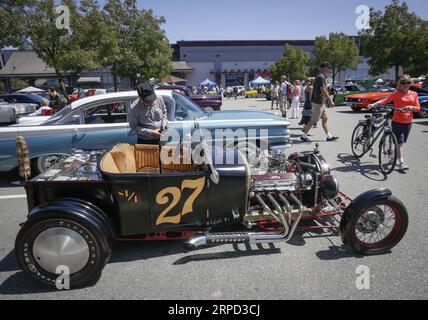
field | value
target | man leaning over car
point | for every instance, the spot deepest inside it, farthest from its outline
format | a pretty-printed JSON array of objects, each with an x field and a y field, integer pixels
[{"x": 148, "y": 117}]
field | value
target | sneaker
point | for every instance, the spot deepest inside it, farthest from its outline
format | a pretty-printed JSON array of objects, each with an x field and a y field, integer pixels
[
  {"x": 309, "y": 134},
  {"x": 305, "y": 139},
  {"x": 332, "y": 139},
  {"x": 403, "y": 167}
]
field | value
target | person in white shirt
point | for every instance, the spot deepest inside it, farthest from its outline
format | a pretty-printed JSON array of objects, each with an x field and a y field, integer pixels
[
  {"x": 283, "y": 103},
  {"x": 274, "y": 95}
]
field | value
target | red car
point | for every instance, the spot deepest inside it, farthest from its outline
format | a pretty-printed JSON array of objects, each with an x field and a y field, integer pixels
[{"x": 363, "y": 100}]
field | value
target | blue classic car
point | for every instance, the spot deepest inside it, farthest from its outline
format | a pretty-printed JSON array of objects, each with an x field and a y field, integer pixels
[
  {"x": 423, "y": 101},
  {"x": 99, "y": 122}
]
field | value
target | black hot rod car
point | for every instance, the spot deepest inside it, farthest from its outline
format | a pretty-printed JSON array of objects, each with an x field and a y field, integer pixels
[{"x": 80, "y": 207}]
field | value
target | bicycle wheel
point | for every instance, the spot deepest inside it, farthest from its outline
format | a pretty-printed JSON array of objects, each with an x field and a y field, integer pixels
[
  {"x": 388, "y": 148},
  {"x": 360, "y": 141}
]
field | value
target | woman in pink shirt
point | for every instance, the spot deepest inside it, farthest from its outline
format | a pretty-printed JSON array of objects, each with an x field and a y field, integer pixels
[{"x": 405, "y": 103}]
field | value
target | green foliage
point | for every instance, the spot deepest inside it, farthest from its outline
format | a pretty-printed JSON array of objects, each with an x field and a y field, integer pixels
[
  {"x": 396, "y": 38},
  {"x": 339, "y": 50},
  {"x": 293, "y": 64},
  {"x": 118, "y": 35},
  {"x": 11, "y": 27},
  {"x": 138, "y": 43}
]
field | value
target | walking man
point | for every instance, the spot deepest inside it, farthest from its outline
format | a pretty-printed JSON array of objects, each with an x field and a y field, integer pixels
[{"x": 320, "y": 99}]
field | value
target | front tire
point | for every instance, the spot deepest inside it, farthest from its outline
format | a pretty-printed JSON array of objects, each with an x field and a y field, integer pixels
[
  {"x": 45, "y": 244},
  {"x": 377, "y": 227},
  {"x": 388, "y": 149}
]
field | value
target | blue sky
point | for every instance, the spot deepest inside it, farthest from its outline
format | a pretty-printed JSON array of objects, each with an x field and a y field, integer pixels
[{"x": 262, "y": 19}]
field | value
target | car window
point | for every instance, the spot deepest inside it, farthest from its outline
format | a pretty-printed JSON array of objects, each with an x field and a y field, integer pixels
[
  {"x": 106, "y": 113},
  {"x": 8, "y": 99},
  {"x": 73, "y": 119},
  {"x": 185, "y": 109},
  {"x": 21, "y": 99}
]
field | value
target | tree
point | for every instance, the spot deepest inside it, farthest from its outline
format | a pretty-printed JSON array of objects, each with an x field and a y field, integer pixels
[
  {"x": 10, "y": 26},
  {"x": 293, "y": 64},
  {"x": 339, "y": 50},
  {"x": 397, "y": 38},
  {"x": 63, "y": 49},
  {"x": 138, "y": 43}
]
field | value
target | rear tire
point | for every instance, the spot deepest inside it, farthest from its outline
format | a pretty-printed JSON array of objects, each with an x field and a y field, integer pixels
[
  {"x": 371, "y": 220},
  {"x": 45, "y": 243},
  {"x": 388, "y": 148}
]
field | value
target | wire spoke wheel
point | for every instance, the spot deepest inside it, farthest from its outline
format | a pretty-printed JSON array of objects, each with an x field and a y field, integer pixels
[
  {"x": 377, "y": 226},
  {"x": 360, "y": 143},
  {"x": 388, "y": 153}
]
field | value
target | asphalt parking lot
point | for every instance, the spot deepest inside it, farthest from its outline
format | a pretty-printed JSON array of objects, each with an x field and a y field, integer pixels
[{"x": 309, "y": 267}]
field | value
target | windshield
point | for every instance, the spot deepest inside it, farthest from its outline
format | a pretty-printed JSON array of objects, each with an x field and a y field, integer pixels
[
  {"x": 57, "y": 116},
  {"x": 186, "y": 109}
]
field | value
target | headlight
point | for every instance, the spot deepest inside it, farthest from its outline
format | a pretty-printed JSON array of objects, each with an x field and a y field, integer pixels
[{"x": 329, "y": 187}]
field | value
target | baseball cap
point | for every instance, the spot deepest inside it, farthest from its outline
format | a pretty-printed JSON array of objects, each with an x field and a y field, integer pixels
[
  {"x": 325, "y": 65},
  {"x": 146, "y": 92}
]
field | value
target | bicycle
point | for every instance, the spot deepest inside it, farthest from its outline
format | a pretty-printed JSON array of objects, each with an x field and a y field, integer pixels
[{"x": 368, "y": 131}]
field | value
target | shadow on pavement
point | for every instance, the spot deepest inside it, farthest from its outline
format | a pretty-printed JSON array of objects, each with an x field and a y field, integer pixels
[
  {"x": 237, "y": 253},
  {"x": 10, "y": 179},
  {"x": 366, "y": 169},
  {"x": 20, "y": 283},
  {"x": 423, "y": 123},
  {"x": 8, "y": 263},
  {"x": 336, "y": 252}
]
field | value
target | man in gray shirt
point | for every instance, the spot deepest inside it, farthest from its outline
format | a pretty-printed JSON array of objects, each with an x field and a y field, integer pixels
[
  {"x": 320, "y": 100},
  {"x": 148, "y": 117}
]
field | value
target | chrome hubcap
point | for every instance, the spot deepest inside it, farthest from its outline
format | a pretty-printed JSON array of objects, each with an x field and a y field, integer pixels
[
  {"x": 50, "y": 161},
  {"x": 61, "y": 247}
]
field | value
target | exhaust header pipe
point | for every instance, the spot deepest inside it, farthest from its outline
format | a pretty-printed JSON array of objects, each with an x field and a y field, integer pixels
[{"x": 254, "y": 237}]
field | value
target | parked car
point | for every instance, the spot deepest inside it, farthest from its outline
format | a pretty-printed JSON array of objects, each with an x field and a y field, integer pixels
[
  {"x": 10, "y": 111},
  {"x": 361, "y": 101},
  {"x": 252, "y": 93},
  {"x": 206, "y": 101},
  {"x": 423, "y": 101},
  {"x": 100, "y": 121},
  {"x": 88, "y": 92},
  {"x": 344, "y": 90},
  {"x": 22, "y": 98}
]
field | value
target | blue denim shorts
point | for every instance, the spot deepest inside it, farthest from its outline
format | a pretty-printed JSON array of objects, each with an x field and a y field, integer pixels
[{"x": 401, "y": 131}]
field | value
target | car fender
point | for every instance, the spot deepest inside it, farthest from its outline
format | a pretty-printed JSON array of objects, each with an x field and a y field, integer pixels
[
  {"x": 360, "y": 201},
  {"x": 79, "y": 210}
]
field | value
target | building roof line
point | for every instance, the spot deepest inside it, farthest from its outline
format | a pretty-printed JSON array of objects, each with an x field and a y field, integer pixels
[{"x": 209, "y": 43}]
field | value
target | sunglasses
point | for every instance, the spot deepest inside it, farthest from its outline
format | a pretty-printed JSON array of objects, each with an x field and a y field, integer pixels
[{"x": 405, "y": 83}]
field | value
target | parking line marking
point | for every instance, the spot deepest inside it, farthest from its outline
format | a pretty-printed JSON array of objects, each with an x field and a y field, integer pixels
[{"x": 13, "y": 196}]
